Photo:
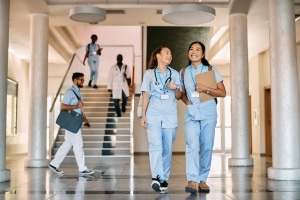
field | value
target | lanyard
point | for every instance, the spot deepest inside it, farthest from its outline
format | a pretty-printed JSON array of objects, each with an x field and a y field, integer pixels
[
  {"x": 160, "y": 79},
  {"x": 191, "y": 72}
]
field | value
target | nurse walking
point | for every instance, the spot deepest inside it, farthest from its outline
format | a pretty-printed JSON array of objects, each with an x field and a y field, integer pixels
[
  {"x": 160, "y": 88},
  {"x": 201, "y": 118}
]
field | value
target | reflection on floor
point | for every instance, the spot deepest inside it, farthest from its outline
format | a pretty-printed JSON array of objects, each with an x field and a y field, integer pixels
[{"x": 132, "y": 182}]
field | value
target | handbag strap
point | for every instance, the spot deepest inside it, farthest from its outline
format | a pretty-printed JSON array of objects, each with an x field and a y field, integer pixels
[{"x": 76, "y": 95}]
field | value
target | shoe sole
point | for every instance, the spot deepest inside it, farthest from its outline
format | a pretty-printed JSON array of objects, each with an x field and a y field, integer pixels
[
  {"x": 156, "y": 187},
  {"x": 190, "y": 190},
  {"x": 203, "y": 190},
  {"x": 55, "y": 170},
  {"x": 163, "y": 191},
  {"x": 82, "y": 174}
]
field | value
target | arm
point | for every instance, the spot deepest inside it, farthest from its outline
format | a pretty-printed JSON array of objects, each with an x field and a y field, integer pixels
[
  {"x": 145, "y": 102},
  {"x": 71, "y": 107},
  {"x": 86, "y": 121},
  {"x": 175, "y": 87},
  {"x": 220, "y": 91},
  {"x": 184, "y": 98},
  {"x": 85, "y": 56}
]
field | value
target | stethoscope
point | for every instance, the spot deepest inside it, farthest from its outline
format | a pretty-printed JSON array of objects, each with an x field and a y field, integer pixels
[{"x": 168, "y": 79}]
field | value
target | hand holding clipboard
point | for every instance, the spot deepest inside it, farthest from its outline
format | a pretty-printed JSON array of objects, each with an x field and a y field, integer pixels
[{"x": 209, "y": 80}]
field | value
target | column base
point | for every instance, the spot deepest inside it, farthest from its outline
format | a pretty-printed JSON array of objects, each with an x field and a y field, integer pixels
[
  {"x": 4, "y": 175},
  {"x": 37, "y": 163},
  {"x": 240, "y": 162},
  {"x": 284, "y": 174}
]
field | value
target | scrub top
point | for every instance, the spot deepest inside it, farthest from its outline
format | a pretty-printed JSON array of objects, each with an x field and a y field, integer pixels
[
  {"x": 199, "y": 110},
  {"x": 162, "y": 107}
]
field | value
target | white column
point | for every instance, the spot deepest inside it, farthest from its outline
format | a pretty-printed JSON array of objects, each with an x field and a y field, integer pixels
[
  {"x": 4, "y": 19},
  {"x": 240, "y": 149},
  {"x": 39, "y": 28},
  {"x": 284, "y": 92}
]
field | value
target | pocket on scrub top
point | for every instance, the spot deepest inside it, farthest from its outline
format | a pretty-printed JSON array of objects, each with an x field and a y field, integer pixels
[{"x": 193, "y": 112}]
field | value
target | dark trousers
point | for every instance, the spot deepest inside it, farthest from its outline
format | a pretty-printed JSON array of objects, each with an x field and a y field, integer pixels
[{"x": 117, "y": 103}]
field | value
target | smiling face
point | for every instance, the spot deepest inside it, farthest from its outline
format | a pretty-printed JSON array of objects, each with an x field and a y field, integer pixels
[
  {"x": 195, "y": 54},
  {"x": 165, "y": 56}
]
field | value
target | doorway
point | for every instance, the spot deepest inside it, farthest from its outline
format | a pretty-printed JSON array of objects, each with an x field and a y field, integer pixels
[{"x": 268, "y": 123}]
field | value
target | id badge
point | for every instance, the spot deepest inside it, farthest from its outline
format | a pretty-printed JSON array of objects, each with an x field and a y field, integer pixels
[
  {"x": 164, "y": 96},
  {"x": 94, "y": 52},
  {"x": 195, "y": 94}
]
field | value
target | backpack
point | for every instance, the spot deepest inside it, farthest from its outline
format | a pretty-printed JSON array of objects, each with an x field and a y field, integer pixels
[{"x": 182, "y": 78}]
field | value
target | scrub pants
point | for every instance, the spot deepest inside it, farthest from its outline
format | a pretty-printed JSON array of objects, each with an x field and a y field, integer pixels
[
  {"x": 75, "y": 140},
  {"x": 200, "y": 136},
  {"x": 160, "y": 150},
  {"x": 94, "y": 66},
  {"x": 117, "y": 103}
]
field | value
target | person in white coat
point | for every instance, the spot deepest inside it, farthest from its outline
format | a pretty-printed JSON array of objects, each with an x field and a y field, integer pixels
[{"x": 117, "y": 84}]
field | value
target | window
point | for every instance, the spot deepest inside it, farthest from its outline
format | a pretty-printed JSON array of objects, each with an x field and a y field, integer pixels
[
  {"x": 11, "y": 107},
  {"x": 222, "y": 141}
]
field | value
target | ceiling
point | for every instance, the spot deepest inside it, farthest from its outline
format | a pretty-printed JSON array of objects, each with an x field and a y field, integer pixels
[{"x": 134, "y": 13}]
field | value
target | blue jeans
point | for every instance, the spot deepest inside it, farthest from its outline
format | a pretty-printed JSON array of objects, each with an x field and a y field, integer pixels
[{"x": 94, "y": 65}]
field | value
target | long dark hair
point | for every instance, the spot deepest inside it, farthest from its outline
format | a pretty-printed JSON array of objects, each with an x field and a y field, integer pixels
[
  {"x": 203, "y": 59},
  {"x": 153, "y": 60}
]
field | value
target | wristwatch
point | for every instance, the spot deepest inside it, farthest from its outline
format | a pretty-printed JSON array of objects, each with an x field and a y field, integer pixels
[{"x": 208, "y": 90}]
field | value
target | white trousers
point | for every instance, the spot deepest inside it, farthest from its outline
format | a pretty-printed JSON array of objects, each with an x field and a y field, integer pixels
[{"x": 75, "y": 140}]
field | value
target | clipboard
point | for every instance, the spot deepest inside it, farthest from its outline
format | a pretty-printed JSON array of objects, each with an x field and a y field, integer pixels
[{"x": 208, "y": 79}]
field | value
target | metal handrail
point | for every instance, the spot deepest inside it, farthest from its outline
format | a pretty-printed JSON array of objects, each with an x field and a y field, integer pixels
[{"x": 62, "y": 82}]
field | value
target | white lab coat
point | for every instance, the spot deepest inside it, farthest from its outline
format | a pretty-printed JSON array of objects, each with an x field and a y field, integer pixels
[{"x": 117, "y": 82}]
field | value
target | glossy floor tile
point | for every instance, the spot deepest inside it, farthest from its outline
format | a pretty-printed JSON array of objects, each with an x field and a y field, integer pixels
[{"x": 132, "y": 182}]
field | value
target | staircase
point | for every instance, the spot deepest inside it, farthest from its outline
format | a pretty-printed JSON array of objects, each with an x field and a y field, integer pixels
[{"x": 109, "y": 137}]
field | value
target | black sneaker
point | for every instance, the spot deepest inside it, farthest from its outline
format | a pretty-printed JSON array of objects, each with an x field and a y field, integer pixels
[
  {"x": 55, "y": 169},
  {"x": 90, "y": 83},
  {"x": 95, "y": 86},
  {"x": 164, "y": 187},
  {"x": 156, "y": 184},
  {"x": 123, "y": 109}
]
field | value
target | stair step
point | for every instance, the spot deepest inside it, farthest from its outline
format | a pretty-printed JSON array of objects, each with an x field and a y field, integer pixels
[
  {"x": 100, "y": 144},
  {"x": 109, "y": 139},
  {"x": 87, "y": 138},
  {"x": 101, "y": 151},
  {"x": 101, "y": 159},
  {"x": 91, "y": 131}
]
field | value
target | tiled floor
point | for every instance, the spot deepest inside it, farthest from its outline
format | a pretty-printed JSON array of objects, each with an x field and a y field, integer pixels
[{"x": 132, "y": 181}]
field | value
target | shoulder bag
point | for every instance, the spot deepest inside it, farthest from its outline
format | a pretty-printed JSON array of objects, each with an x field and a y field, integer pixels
[{"x": 69, "y": 119}]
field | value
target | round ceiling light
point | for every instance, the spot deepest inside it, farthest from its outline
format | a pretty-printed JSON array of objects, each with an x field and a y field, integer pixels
[
  {"x": 188, "y": 14},
  {"x": 88, "y": 14}
]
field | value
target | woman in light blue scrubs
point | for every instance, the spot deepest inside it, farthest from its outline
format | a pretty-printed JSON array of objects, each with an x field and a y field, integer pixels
[
  {"x": 201, "y": 117},
  {"x": 160, "y": 88}
]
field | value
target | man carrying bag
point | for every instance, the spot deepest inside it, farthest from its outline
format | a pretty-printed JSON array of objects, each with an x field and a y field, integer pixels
[{"x": 72, "y": 100}]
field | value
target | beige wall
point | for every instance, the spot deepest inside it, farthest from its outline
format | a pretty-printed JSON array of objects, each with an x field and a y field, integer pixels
[{"x": 19, "y": 72}]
